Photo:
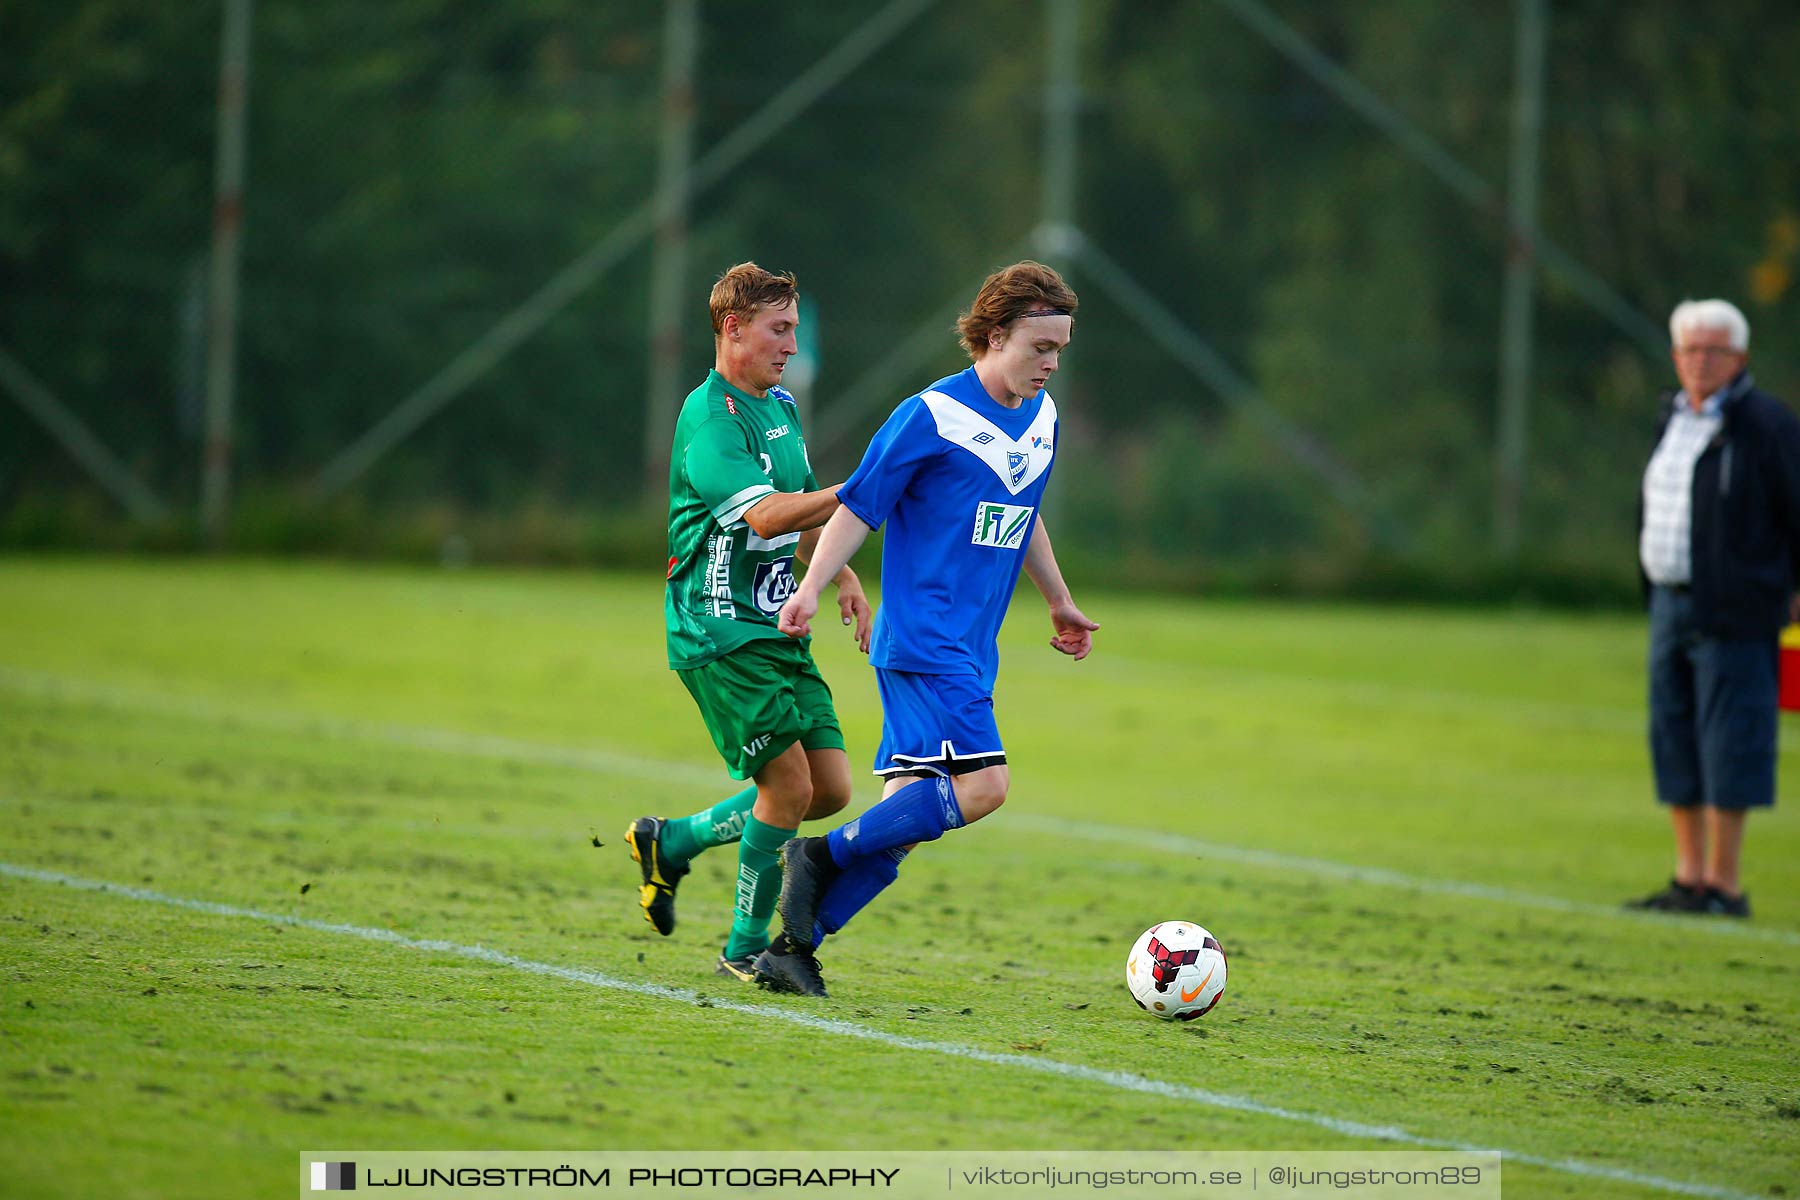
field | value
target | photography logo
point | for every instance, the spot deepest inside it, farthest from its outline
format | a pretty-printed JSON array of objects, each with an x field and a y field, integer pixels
[{"x": 333, "y": 1177}]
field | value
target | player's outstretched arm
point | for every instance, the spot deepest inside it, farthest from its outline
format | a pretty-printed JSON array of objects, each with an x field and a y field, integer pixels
[
  {"x": 853, "y": 602},
  {"x": 787, "y": 512},
  {"x": 843, "y": 536},
  {"x": 1074, "y": 632}
]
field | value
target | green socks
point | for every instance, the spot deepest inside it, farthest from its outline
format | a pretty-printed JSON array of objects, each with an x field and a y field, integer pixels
[
  {"x": 758, "y": 886},
  {"x": 759, "y": 862},
  {"x": 684, "y": 837}
]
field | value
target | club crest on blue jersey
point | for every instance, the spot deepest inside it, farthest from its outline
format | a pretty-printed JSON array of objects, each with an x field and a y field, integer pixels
[{"x": 1018, "y": 464}]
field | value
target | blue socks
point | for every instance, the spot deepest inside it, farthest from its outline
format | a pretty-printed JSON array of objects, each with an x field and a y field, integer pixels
[
  {"x": 852, "y": 890},
  {"x": 918, "y": 812},
  {"x": 868, "y": 851}
]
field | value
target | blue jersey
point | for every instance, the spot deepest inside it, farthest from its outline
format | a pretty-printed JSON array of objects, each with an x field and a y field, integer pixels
[{"x": 957, "y": 479}]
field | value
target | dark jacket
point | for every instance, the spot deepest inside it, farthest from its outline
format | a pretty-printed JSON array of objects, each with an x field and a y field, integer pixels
[{"x": 1746, "y": 528}]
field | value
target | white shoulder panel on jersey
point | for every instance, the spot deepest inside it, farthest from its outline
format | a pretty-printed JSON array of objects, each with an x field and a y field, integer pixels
[
  {"x": 1016, "y": 461},
  {"x": 757, "y": 542},
  {"x": 730, "y": 514}
]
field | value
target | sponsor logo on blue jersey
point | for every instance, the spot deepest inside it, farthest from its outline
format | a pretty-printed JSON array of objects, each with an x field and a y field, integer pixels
[{"x": 1001, "y": 526}]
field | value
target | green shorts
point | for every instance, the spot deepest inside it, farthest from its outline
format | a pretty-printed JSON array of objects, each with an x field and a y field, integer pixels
[{"x": 760, "y": 699}]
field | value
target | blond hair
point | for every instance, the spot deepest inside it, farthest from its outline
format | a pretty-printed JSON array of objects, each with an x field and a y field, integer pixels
[{"x": 744, "y": 289}]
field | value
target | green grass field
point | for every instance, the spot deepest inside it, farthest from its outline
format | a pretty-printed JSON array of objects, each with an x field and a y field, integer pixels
[{"x": 1410, "y": 828}]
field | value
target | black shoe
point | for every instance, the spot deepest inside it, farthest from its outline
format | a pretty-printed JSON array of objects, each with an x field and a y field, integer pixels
[
  {"x": 657, "y": 895},
  {"x": 785, "y": 967},
  {"x": 1718, "y": 904},
  {"x": 807, "y": 870},
  {"x": 1677, "y": 897},
  {"x": 742, "y": 969}
]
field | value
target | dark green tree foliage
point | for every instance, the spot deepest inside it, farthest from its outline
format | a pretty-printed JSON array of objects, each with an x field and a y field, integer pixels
[
  {"x": 415, "y": 171},
  {"x": 105, "y": 172},
  {"x": 419, "y": 168}
]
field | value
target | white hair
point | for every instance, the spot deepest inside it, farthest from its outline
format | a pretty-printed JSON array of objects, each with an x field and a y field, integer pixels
[{"x": 1710, "y": 314}]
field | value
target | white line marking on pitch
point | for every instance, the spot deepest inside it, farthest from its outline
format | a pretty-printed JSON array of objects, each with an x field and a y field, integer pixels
[
  {"x": 606, "y": 762},
  {"x": 1120, "y": 1080}
]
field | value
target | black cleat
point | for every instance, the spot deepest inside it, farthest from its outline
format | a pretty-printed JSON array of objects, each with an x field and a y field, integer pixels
[
  {"x": 1677, "y": 897},
  {"x": 785, "y": 967},
  {"x": 742, "y": 969},
  {"x": 807, "y": 870},
  {"x": 1718, "y": 904},
  {"x": 657, "y": 895}
]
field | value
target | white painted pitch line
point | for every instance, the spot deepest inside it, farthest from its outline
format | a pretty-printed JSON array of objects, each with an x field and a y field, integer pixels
[
  {"x": 616, "y": 763},
  {"x": 1119, "y": 1080}
]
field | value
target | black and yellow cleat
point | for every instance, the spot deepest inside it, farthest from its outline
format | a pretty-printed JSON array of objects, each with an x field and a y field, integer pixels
[
  {"x": 657, "y": 895},
  {"x": 742, "y": 969}
]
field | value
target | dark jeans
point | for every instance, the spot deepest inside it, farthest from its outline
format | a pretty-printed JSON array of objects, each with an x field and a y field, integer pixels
[{"x": 1713, "y": 717}]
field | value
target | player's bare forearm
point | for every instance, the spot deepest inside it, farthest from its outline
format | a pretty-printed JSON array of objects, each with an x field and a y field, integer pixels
[
  {"x": 809, "y": 541},
  {"x": 853, "y": 607},
  {"x": 838, "y": 542},
  {"x": 1040, "y": 566},
  {"x": 842, "y": 537},
  {"x": 786, "y": 512},
  {"x": 1074, "y": 633},
  {"x": 853, "y": 604}
]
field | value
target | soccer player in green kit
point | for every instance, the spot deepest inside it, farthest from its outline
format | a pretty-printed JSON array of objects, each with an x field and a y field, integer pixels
[{"x": 743, "y": 505}]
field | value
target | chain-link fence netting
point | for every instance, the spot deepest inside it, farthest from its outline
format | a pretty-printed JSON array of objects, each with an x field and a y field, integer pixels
[{"x": 1291, "y": 244}]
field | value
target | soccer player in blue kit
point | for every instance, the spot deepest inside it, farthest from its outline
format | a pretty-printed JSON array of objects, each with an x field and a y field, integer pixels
[{"x": 957, "y": 474}]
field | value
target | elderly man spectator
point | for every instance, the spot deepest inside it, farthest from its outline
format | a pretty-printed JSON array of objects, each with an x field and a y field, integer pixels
[{"x": 1719, "y": 544}]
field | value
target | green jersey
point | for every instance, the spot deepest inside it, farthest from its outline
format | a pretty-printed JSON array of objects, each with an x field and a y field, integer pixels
[{"x": 726, "y": 584}]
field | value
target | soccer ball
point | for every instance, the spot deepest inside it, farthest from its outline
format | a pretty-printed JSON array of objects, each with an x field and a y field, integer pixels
[{"x": 1176, "y": 971}]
